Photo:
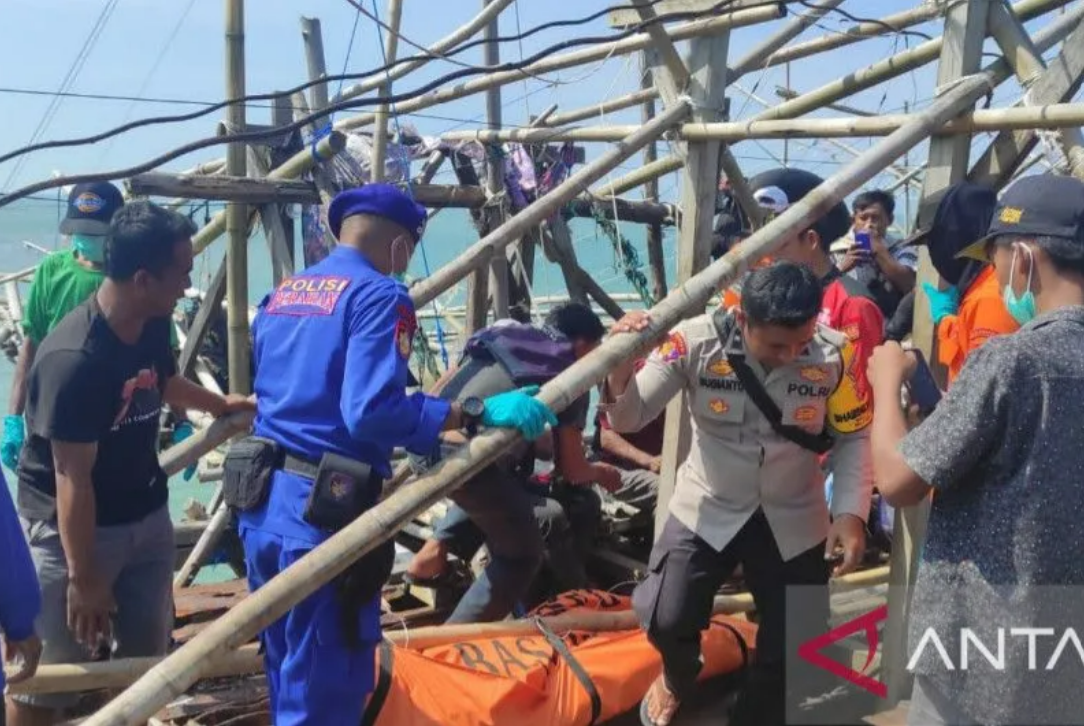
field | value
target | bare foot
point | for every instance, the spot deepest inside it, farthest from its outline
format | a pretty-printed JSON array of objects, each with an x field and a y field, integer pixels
[
  {"x": 429, "y": 562},
  {"x": 661, "y": 703}
]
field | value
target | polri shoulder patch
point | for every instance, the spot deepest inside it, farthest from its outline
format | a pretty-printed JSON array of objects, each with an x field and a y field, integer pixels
[
  {"x": 307, "y": 295},
  {"x": 405, "y": 328},
  {"x": 673, "y": 349}
]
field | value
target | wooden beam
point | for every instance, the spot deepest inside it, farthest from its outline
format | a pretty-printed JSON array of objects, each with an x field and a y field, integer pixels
[
  {"x": 248, "y": 190},
  {"x": 271, "y": 218},
  {"x": 676, "y": 78},
  {"x": 961, "y": 55},
  {"x": 431, "y": 166},
  {"x": 1043, "y": 85},
  {"x": 282, "y": 115},
  {"x": 625, "y": 210},
  {"x": 700, "y": 182}
]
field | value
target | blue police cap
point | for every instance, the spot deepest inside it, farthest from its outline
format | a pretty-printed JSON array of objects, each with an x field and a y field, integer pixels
[{"x": 379, "y": 200}]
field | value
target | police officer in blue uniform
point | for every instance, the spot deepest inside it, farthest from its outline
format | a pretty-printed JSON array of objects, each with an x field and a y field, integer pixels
[{"x": 331, "y": 346}]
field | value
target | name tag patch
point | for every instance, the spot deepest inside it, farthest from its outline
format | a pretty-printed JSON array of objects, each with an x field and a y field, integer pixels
[{"x": 309, "y": 295}]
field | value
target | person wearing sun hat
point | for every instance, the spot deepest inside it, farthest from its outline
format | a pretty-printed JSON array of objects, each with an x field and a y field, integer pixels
[{"x": 1001, "y": 450}]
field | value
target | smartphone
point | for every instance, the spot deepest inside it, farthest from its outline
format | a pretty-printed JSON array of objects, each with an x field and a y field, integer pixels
[
  {"x": 862, "y": 241},
  {"x": 924, "y": 390}
]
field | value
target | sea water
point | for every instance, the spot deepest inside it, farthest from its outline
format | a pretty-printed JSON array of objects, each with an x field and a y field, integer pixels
[{"x": 449, "y": 232}]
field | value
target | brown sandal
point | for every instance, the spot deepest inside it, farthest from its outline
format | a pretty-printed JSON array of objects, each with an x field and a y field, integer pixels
[{"x": 671, "y": 703}]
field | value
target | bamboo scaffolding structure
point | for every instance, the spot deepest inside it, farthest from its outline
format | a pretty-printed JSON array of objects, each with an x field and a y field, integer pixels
[
  {"x": 297, "y": 165},
  {"x": 623, "y": 17},
  {"x": 178, "y": 671},
  {"x": 436, "y": 50},
  {"x": 205, "y": 546},
  {"x": 477, "y": 254},
  {"x": 1027, "y": 61},
  {"x": 643, "y": 175},
  {"x": 495, "y": 211},
  {"x": 380, "y": 123},
  {"x": 1054, "y": 116},
  {"x": 239, "y": 354},
  {"x": 893, "y": 67},
  {"x": 632, "y": 44},
  {"x": 755, "y": 59},
  {"x": 655, "y": 258},
  {"x": 616, "y": 104},
  {"x": 74, "y": 677}
]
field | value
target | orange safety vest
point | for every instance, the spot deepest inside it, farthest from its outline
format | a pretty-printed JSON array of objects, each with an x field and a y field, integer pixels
[
  {"x": 981, "y": 316},
  {"x": 572, "y": 679}
]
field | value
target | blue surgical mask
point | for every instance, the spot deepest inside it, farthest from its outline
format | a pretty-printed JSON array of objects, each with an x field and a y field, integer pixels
[
  {"x": 1021, "y": 308},
  {"x": 91, "y": 249}
]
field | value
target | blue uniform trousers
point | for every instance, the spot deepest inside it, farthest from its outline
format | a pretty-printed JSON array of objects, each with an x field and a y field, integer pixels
[{"x": 314, "y": 678}]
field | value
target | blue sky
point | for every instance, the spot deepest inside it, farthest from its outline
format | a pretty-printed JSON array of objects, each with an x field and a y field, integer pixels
[{"x": 175, "y": 49}]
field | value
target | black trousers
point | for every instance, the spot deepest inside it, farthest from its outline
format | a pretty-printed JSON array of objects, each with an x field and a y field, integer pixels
[{"x": 674, "y": 605}]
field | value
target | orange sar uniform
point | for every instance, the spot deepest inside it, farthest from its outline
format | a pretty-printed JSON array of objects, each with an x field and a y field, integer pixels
[{"x": 981, "y": 316}]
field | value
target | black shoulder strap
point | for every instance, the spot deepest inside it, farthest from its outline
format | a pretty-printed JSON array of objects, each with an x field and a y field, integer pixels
[{"x": 817, "y": 443}]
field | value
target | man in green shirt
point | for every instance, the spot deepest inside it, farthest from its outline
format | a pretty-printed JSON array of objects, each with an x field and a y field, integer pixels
[{"x": 62, "y": 281}]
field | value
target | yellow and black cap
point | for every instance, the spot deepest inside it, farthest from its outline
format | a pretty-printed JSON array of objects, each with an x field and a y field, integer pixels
[{"x": 1044, "y": 205}]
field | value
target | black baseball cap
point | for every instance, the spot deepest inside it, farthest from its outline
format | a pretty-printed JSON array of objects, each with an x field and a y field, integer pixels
[
  {"x": 90, "y": 208},
  {"x": 1043, "y": 205}
]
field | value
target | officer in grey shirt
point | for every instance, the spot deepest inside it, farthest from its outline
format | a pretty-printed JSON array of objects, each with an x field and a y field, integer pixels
[
  {"x": 770, "y": 391},
  {"x": 1003, "y": 450}
]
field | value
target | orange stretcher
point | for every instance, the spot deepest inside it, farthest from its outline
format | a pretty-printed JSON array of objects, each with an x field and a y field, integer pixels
[{"x": 548, "y": 679}]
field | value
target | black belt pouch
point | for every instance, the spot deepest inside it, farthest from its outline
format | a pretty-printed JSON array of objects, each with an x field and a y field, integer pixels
[
  {"x": 342, "y": 489},
  {"x": 247, "y": 470}
]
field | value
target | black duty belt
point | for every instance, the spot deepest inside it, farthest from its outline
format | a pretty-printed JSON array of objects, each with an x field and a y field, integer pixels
[{"x": 304, "y": 468}]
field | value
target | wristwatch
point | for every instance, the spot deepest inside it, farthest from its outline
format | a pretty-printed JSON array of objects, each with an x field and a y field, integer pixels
[{"x": 472, "y": 408}]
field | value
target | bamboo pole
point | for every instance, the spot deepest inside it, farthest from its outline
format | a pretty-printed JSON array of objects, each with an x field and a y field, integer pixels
[
  {"x": 632, "y": 44},
  {"x": 757, "y": 58},
  {"x": 1027, "y": 61},
  {"x": 643, "y": 175},
  {"x": 238, "y": 355},
  {"x": 892, "y": 67},
  {"x": 294, "y": 167},
  {"x": 391, "y": 50},
  {"x": 177, "y": 672},
  {"x": 74, "y": 677},
  {"x": 180, "y": 456},
  {"x": 655, "y": 259},
  {"x": 208, "y": 539},
  {"x": 472, "y": 258},
  {"x": 1054, "y": 116},
  {"x": 620, "y": 103},
  {"x": 313, "y": 39},
  {"x": 436, "y": 50},
  {"x": 495, "y": 209}
]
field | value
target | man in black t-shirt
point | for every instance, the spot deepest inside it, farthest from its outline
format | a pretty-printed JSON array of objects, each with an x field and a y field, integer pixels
[
  {"x": 91, "y": 494},
  {"x": 521, "y": 523}
]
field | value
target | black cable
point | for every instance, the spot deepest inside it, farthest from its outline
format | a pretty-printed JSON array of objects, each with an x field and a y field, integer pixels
[
  {"x": 874, "y": 21},
  {"x": 272, "y": 132},
  {"x": 355, "y": 76}
]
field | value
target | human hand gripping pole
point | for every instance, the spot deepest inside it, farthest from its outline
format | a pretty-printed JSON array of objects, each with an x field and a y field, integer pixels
[
  {"x": 519, "y": 410},
  {"x": 14, "y": 435}
]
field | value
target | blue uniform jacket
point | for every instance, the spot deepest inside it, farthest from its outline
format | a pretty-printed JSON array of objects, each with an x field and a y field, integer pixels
[
  {"x": 20, "y": 596},
  {"x": 331, "y": 350}
]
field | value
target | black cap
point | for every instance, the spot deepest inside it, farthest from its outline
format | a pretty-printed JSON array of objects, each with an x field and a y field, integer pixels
[
  {"x": 1044, "y": 205},
  {"x": 90, "y": 207},
  {"x": 956, "y": 215},
  {"x": 777, "y": 189}
]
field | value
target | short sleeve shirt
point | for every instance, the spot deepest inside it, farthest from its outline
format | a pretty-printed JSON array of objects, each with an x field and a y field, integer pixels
[
  {"x": 88, "y": 386},
  {"x": 1002, "y": 451},
  {"x": 60, "y": 283}
]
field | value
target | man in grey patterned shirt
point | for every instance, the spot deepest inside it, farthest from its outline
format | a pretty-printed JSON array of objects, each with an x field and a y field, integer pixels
[{"x": 1004, "y": 451}]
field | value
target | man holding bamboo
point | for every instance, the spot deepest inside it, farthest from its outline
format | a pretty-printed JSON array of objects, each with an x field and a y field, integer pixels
[
  {"x": 769, "y": 393},
  {"x": 331, "y": 346}
]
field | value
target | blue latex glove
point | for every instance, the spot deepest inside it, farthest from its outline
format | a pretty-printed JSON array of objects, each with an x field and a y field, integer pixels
[
  {"x": 14, "y": 434},
  {"x": 942, "y": 302},
  {"x": 181, "y": 432},
  {"x": 519, "y": 410}
]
